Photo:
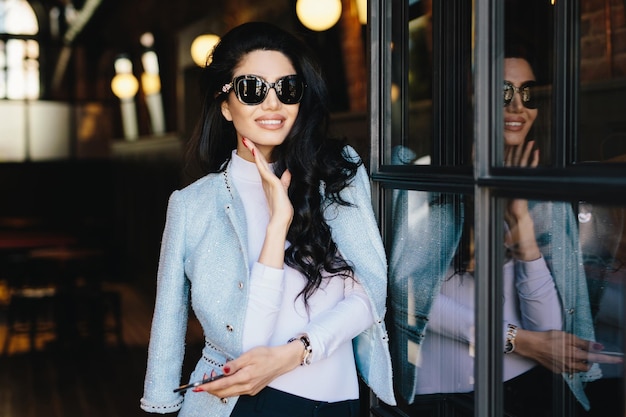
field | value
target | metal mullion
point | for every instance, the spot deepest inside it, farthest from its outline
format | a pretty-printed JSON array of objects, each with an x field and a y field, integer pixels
[
  {"x": 488, "y": 277},
  {"x": 565, "y": 84},
  {"x": 488, "y": 54}
]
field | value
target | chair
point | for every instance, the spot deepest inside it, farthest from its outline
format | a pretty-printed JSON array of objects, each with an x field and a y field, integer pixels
[
  {"x": 87, "y": 311},
  {"x": 32, "y": 296}
]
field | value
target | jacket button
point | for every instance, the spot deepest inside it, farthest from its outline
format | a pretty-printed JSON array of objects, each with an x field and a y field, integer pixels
[
  {"x": 570, "y": 311},
  {"x": 229, "y": 328},
  {"x": 240, "y": 285},
  {"x": 224, "y": 400}
]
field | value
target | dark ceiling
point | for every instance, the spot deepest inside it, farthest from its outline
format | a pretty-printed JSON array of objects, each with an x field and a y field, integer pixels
[
  {"x": 117, "y": 25},
  {"x": 115, "y": 28}
]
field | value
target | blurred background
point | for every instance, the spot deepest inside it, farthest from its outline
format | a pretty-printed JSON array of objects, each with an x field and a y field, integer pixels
[{"x": 97, "y": 100}]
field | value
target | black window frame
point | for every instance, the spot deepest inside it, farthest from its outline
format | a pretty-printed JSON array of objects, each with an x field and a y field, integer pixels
[{"x": 488, "y": 182}]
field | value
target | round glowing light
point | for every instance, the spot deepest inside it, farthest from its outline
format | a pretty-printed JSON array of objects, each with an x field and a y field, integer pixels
[
  {"x": 201, "y": 49},
  {"x": 150, "y": 83},
  {"x": 318, "y": 15},
  {"x": 124, "y": 86}
]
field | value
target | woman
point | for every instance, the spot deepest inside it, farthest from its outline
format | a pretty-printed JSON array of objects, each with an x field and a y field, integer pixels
[
  {"x": 544, "y": 288},
  {"x": 269, "y": 248}
]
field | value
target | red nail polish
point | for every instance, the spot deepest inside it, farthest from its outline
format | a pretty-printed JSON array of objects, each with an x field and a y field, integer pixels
[
  {"x": 245, "y": 142},
  {"x": 197, "y": 389},
  {"x": 253, "y": 153},
  {"x": 227, "y": 369}
]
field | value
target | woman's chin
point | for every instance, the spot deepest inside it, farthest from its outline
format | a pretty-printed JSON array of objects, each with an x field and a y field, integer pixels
[{"x": 513, "y": 139}]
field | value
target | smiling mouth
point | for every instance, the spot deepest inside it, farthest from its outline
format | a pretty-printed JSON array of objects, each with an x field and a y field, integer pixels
[
  {"x": 513, "y": 124},
  {"x": 270, "y": 122}
]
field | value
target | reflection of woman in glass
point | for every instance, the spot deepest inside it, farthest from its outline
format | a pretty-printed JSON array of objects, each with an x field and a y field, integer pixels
[{"x": 544, "y": 286}]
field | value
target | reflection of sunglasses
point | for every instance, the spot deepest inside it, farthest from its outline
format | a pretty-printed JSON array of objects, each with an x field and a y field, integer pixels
[
  {"x": 526, "y": 92},
  {"x": 252, "y": 89}
]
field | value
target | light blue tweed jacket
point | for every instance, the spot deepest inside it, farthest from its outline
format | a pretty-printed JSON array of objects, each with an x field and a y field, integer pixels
[
  {"x": 204, "y": 260},
  {"x": 422, "y": 252}
]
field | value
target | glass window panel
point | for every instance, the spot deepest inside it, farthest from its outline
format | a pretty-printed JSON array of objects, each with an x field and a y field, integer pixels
[
  {"x": 603, "y": 244},
  {"x": 3, "y": 73},
  {"x": 420, "y": 80},
  {"x": 563, "y": 285},
  {"x": 15, "y": 69},
  {"x": 412, "y": 81},
  {"x": 431, "y": 317},
  {"x": 602, "y": 99},
  {"x": 17, "y": 17},
  {"x": 567, "y": 306},
  {"x": 527, "y": 90},
  {"x": 421, "y": 31},
  {"x": 31, "y": 79},
  {"x": 32, "y": 49},
  {"x": 19, "y": 57}
]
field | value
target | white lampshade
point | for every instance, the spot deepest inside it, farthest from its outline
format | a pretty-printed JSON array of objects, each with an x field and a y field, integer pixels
[
  {"x": 318, "y": 15},
  {"x": 201, "y": 48},
  {"x": 123, "y": 65},
  {"x": 150, "y": 62},
  {"x": 124, "y": 86}
]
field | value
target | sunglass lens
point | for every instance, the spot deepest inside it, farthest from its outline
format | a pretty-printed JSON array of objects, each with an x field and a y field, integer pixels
[
  {"x": 508, "y": 92},
  {"x": 527, "y": 91},
  {"x": 250, "y": 90},
  {"x": 290, "y": 89}
]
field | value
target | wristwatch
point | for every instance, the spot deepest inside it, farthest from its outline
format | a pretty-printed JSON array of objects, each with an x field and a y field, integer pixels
[
  {"x": 306, "y": 358},
  {"x": 509, "y": 345}
]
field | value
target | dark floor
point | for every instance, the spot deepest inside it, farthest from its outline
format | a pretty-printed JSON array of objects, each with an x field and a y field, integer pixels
[{"x": 82, "y": 379}]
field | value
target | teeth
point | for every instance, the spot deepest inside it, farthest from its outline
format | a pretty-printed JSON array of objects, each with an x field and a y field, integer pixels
[
  {"x": 270, "y": 122},
  {"x": 514, "y": 124}
]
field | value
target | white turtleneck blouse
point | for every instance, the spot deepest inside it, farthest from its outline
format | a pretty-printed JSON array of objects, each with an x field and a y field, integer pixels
[{"x": 338, "y": 311}]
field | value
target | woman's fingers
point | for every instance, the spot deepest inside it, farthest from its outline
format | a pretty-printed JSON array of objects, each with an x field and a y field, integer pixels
[
  {"x": 261, "y": 163},
  {"x": 251, "y": 372},
  {"x": 285, "y": 179},
  {"x": 560, "y": 351},
  {"x": 525, "y": 155},
  {"x": 535, "y": 161},
  {"x": 522, "y": 155},
  {"x": 275, "y": 188},
  {"x": 583, "y": 353},
  {"x": 508, "y": 156}
]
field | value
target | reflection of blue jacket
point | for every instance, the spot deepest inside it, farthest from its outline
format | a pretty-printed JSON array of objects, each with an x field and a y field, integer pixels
[
  {"x": 204, "y": 257},
  {"x": 425, "y": 241}
]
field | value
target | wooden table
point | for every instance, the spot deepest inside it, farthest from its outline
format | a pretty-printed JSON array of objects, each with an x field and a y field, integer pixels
[
  {"x": 77, "y": 273},
  {"x": 20, "y": 240}
]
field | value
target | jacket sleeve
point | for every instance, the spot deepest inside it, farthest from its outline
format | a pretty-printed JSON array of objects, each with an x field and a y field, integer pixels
[
  {"x": 356, "y": 233},
  {"x": 169, "y": 323}
]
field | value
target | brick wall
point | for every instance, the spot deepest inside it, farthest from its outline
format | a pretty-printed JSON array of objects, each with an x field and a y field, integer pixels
[{"x": 603, "y": 40}]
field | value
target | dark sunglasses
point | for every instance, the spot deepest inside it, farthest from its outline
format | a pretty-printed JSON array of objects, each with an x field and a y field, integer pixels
[
  {"x": 252, "y": 89},
  {"x": 526, "y": 92}
]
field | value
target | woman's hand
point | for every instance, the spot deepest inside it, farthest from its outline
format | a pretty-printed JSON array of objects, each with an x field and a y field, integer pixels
[
  {"x": 522, "y": 155},
  {"x": 254, "y": 370},
  {"x": 280, "y": 207},
  {"x": 559, "y": 351},
  {"x": 521, "y": 239}
]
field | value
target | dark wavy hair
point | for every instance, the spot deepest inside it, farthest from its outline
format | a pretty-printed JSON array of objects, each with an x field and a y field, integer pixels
[{"x": 312, "y": 157}]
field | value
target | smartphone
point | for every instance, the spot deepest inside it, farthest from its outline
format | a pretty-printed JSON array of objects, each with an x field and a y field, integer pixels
[
  {"x": 198, "y": 383},
  {"x": 611, "y": 353}
]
